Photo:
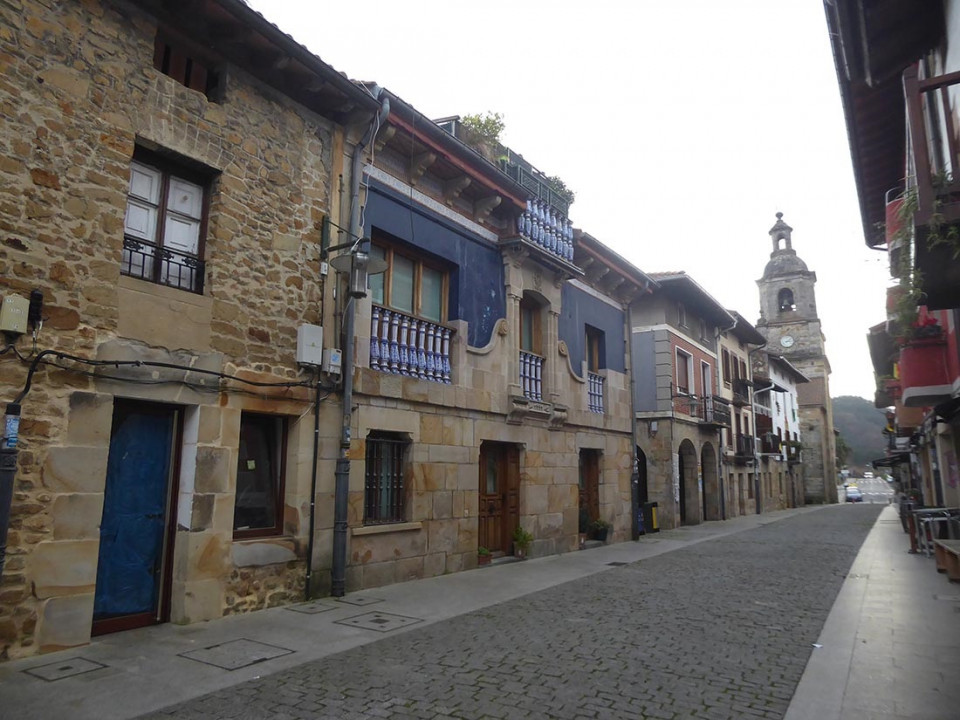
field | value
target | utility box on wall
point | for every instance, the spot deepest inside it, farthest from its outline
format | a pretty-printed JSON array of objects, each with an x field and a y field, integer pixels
[
  {"x": 13, "y": 314},
  {"x": 309, "y": 345}
]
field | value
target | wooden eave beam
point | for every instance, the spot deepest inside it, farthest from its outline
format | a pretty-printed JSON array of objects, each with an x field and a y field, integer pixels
[
  {"x": 419, "y": 164},
  {"x": 457, "y": 162}
]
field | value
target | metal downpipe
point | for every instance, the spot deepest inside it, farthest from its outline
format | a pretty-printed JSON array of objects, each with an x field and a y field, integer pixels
[{"x": 342, "y": 472}]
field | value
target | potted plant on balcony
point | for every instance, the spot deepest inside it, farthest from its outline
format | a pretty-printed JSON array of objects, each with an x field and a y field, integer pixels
[
  {"x": 521, "y": 543},
  {"x": 482, "y": 133},
  {"x": 483, "y": 556},
  {"x": 600, "y": 529}
]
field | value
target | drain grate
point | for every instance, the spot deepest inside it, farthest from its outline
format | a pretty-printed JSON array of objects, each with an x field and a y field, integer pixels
[
  {"x": 310, "y": 608},
  {"x": 359, "y": 601},
  {"x": 236, "y": 654},
  {"x": 67, "y": 668},
  {"x": 617, "y": 563},
  {"x": 381, "y": 622}
]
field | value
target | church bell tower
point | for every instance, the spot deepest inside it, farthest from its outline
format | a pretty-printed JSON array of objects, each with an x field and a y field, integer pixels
[{"x": 789, "y": 322}]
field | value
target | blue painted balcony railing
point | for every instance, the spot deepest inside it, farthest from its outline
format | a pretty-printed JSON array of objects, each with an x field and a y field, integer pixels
[{"x": 404, "y": 345}]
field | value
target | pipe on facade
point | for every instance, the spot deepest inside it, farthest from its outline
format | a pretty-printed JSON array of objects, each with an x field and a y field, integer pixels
[
  {"x": 635, "y": 476},
  {"x": 758, "y": 501},
  {"x": 717, "y": 380},
  {"x": 342, "y": 472},
  {"x": 313, "y": 487}
]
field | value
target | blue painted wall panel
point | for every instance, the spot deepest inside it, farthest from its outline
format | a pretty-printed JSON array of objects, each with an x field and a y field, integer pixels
[
  {"x": 581, "y": 309},
  {"x": 644, "y": 371},
  {"x": 476, "y": 277}
]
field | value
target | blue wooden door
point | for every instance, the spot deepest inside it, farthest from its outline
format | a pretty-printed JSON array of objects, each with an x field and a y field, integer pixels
[{"x": 135, "y": 514}]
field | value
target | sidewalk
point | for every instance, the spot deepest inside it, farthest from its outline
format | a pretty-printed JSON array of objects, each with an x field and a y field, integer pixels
[
  {"x": 128, "y": 674},
  {"x": 890, "y": 648}
]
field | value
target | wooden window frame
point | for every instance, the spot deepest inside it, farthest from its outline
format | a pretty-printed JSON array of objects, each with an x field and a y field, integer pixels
[
  {"x": 593, "y": 339},
  {"x": 727, "y": 380},
  {"x": 690, "y": 384},
  {"x": 279, "y": 424},
  {"x": 188, "y": 63},
  {"x": 535, "y": 309},
  {"x": 390, "y": 251},
  {"x": 172, "y": 169}
]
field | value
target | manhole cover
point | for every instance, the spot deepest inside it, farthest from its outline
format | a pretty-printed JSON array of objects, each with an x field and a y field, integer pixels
[
  {"x": 381, "y": 622},
  {"x": 359, "y": 600},
  {"x": 310, "y": 608},
  {"x": 64, "y": 669},
  {"x": 236, "y": 654}
]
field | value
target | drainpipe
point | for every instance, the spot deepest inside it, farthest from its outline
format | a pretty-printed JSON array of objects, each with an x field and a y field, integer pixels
[
  {"x": 342, "y": 473},
  {"x": 313, "y": 485},
  {"x": 758, "y": 500},
  {"x": 635, "y": 475},
  {"x": 716, "y": 382}
]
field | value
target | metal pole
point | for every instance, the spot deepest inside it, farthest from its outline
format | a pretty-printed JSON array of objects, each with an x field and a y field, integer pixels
[
  {"x": 8, "y": 473},
  {"x": 342, "y": 473}
]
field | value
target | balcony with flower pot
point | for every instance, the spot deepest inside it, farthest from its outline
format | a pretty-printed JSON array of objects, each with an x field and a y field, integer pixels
[{"x": 924, "y": 370}]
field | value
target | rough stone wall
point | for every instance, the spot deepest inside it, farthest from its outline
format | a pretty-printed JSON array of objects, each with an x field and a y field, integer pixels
[{"x": 78, "y": 93}]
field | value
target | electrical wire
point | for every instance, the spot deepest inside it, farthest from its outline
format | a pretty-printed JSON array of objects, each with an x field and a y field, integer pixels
[{"x": 117, "y": 364}]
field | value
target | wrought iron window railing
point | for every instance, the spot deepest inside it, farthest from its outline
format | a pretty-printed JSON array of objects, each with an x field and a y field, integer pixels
[
  {"x": 383, "y": 497},
  {"x": 175, "y": 269},
  {"x": 404, "y": 345},
  {"x": 531, "y": 375},
  {"x": 595, "y": 392}
]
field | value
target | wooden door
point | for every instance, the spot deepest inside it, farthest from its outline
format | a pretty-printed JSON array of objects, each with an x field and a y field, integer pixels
[
  {"x": 136, "y": 532},
  {"x": 590, "y": 483},
  {"x": 499, "y": 496}
]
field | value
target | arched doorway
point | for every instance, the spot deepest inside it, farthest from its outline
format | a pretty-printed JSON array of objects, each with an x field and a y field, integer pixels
[
  {"x": 688, "y": 491},
  {"x": 711, "y": 483}
]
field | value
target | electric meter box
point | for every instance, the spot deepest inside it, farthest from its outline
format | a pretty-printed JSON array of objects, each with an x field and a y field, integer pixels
[
  {"x": 332, "y": 361},
  {"x": 309, "y": 345},
  {"x": 13, "y": 314}
]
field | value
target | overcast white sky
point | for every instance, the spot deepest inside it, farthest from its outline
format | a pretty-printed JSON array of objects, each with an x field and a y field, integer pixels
[{"x": 683, "y": 127}]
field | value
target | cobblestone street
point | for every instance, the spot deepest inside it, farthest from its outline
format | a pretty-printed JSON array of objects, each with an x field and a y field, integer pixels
[{"x": 722, "y": 629}]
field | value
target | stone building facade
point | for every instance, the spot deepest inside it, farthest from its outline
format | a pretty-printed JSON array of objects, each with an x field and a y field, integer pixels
[
  {"x": 680, "y": 412},
  {"x": 529, "y": 419},
  {"x": 789, "y": 321},
  {"x": 165, "y": 190},
  {"x": 738, "y": 440}
]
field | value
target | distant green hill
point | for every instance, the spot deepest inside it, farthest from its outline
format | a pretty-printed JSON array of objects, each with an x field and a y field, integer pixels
[{"x": 861, "y": 425}]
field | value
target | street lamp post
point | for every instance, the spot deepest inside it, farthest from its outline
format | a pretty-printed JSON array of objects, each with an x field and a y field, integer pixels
[{"x": 360, "y": 266}]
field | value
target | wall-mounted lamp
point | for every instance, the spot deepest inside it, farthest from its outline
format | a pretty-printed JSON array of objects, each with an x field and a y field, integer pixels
[
  {"x": 360, "y": 266},
  {"x": 653, "y": 427}
]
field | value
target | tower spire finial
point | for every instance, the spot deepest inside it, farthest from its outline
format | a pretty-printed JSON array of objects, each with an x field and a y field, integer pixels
[{"x": 781, "y": 231}]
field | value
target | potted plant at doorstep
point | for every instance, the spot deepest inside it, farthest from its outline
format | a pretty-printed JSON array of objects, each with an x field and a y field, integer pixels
[
  {"x": 600, "y": 528},
  {"x": 584, "y": 527},
  {"x": 521, "y": 543},
  {"x": 483, "y": 556}
]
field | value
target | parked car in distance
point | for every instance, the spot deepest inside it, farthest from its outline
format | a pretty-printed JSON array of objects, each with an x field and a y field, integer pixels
[
  {"x": 854, "y": 494},
  {"x": 867, "y": 475}
]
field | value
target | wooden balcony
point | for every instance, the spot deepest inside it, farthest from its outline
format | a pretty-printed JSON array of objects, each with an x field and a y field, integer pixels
[
  {"x": 741, "y": 392},
  {"x": 744, "y": 450},
  {"x": 932, "y": 125}
]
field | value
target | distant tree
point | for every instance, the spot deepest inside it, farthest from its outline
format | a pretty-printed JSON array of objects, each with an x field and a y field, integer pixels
[{"x": 843, "y": 451}]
